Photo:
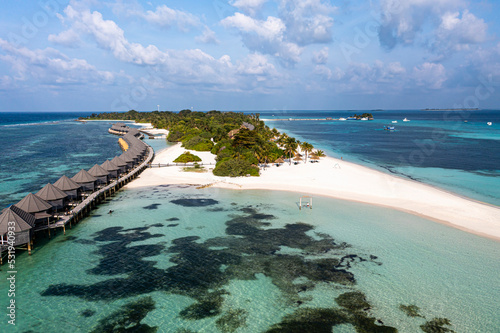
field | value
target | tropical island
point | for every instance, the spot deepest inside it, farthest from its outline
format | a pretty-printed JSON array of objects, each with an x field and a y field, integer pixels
[
  {"x": 242, "y": 145},
  {"x": 240, "y": 142}
]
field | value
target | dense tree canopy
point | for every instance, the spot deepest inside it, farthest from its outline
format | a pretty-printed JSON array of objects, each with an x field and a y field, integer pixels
[{"x": 240, "y": 141}]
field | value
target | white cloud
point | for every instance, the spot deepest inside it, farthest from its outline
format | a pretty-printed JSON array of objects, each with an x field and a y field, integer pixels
[
  {"x": 307, "y": 21},
  {"x": 264, "y": 36},
  {"x": 430, "y": 75},
  {"x": 459, "y": 32},
  {"x": 207, "y": 37},
  {"x": 166, "y": 17},
  {"x": 271, "y": 29},
  {"x": 403, "y": 21},
  {"x": 320, "y": 57},
  {"x": 250, "y": 7},
  {"x": 256, "y": 64},
  {"x": 50, "y": 66},
  {"x": 6, "y": 82},
  {"x": 178, "y": 67},
  {"x": 111, "y": 37},
  {"x": 324, "y": 71},
  {"x": 363, "y": 78},
  {"x": 68, "y": 38}
]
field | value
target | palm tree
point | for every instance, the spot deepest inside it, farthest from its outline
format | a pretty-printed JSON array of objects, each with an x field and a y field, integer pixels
[
  {"x": 290, "y": 147},
  {"x": 319, "y": 153},
  {"x": 306, "y": 147},
  {"x": 282, "y": 139}
]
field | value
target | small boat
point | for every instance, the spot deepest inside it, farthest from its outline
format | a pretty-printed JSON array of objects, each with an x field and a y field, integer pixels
[
  {"x": 342, "y": 119},
  {"x": 406, "y": 119},
  {"x": 389, "y": 128},
  {"x": 489, "y": 123},
  {"x": 364, "y": 118},
  {"x": 394, "y": 121}
]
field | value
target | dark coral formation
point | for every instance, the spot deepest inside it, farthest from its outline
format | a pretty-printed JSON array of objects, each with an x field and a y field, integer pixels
[
  {"x": 410, "y": 310},
  {"x": 128, "y": 318},
  {"x": 437, "y": 325},
  {"x": 201, "y": 270},
  {"x": 189, "y": 202}
]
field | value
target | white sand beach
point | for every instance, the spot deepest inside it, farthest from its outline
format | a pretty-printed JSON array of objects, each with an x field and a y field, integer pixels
[{"x": 343, "y": 180}]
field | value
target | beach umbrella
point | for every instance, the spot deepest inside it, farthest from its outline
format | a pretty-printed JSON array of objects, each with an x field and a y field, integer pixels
[
  {"x": 279, "y": 160},
  {"x": 297, "y": 158},
  {"x": 314, "y": 157}
]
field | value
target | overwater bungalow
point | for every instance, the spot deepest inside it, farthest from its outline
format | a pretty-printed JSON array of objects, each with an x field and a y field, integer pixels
[
  {"x": 41, "y": 209},
  {"x": 130, "y": 160},
  {"x": 111, "y": 168},
  {"x": 53, "y": 195},
  {"x": 69, "y": 187},
  {"x": 119, "y": 162},
  {"x": 100, "y": 174},
  {"x": 23, "y": 223},
  {"x": 120, "y": 128},
  {"x": 85, "y": 180},
  {"x": 136, "y": 151}
]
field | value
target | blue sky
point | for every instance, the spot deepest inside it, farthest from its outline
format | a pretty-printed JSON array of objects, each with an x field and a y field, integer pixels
[{"x": 118, "y": 55}]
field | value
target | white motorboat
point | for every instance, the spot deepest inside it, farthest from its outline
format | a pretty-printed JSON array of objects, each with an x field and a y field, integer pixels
[
  {"x": 406, "y": 119},
  {"x": 342, "y": 119},
  {"x": 489, "y": 123},
  {"x": 394, "y": 121}
]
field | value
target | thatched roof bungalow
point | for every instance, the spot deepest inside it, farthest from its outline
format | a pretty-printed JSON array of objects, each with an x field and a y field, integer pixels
[
  {"x": 69, "y": 187},
  {"x": 119, "y": 162},
  {"x": 36, "y": 206},
  {"x": 100, "y": 174},
  {"x": 53, "y": 195},
  {"x": 85, "y": 180},
  {"x": 130, "y": 159},
  {"x": 111, "y": 168},
  {"x": 22, "y": 222}
]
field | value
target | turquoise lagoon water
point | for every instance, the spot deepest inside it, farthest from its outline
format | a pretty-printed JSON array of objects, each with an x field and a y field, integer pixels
[
  {"x": 180, "y": 259},
  {"x": 216, "y": 260},
  {"x": 456, "y": 151}
]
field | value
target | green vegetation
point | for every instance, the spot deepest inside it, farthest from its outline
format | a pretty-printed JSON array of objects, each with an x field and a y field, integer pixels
[
  {"x": 364, "y": 115},
  {"x": 187, "y": 157},
  {"x": 195, "y": 168},
  {"x": 240, "y": 141}
]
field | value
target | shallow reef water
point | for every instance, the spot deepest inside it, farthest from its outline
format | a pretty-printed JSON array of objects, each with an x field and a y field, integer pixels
[
  {"x": 222, "y": 261},
  {"x": 201, "y": 269}
]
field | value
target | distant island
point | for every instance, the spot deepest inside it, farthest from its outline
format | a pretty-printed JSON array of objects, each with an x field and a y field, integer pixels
[{"x": 459, "y": 109}]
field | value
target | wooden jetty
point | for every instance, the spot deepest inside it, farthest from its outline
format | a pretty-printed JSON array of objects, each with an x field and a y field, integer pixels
[{"x": 27, "y": 228}]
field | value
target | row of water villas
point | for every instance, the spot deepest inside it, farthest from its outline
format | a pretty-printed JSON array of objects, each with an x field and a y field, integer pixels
[{"x": 68, "y": 200}]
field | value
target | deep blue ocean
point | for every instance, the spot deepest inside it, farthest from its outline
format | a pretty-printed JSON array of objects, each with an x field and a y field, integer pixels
[
  {"x": 183, "y": 259},
  {"x": 455, "y": 150}
]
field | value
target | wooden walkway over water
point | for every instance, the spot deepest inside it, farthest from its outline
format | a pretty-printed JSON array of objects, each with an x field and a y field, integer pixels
[{"x": 93, "y": 199}]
